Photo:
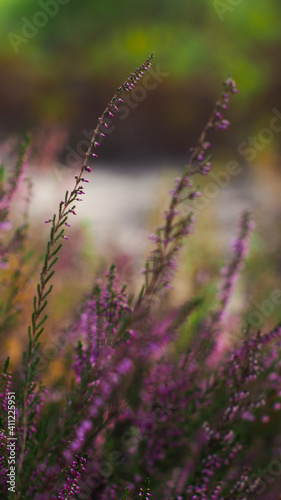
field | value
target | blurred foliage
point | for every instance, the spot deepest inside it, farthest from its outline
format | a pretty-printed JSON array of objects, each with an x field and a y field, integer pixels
[
  {"x": 70, "y": 63},
  {"x": 104, "y": 38},
  {"x": 207, "y": 251}
]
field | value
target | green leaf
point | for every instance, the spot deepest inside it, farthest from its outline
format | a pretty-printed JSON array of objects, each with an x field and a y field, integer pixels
[
  {"x": 62, "y": 221},
  {"x": 47, "y": 293},
  {"x": 52, "y": 264},
  {"x": 38, "y": 334},
  {"x": 6, "y": 364},
  {"x": 59, "y": 236},
  {"x": 41, "y": 322},
  {"x": 3, "y": 173},
  {"x": 49, "y": 277},
  {"x": 56, "y": 250},
  {"x": 125, "y": 496},
  {"x": 42, "y": 308}
]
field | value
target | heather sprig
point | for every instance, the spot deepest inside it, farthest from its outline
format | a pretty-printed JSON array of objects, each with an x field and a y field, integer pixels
[
  {"x": 73, "y": 474},
  {"x": 245, "y": 382},
  {"x": 231, "y": 272},
  {"x": 169, "y": 237},
  {"x": 144, "y": 492},
  {"x": 125, "y": 496},
  {"x": 102, "y": 317},
  {"x": 17, "y": 246},
  {"x": 3, "y": 462},
  {"x": 44, "y": 288},
  {"x": 8, "y": 188},
  {"x": 211, "y": 330}
]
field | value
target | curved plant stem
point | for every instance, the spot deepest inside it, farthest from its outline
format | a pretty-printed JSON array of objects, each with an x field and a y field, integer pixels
[{"x": 44, "y": 288}]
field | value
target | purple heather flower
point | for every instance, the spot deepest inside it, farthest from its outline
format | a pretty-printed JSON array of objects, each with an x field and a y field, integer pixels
[
  {"x": 231, "y": 272},
  {"x": 195, "y": 194}
]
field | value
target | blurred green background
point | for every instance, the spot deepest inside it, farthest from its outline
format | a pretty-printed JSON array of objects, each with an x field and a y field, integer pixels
[{"x": 62, "y": 72}]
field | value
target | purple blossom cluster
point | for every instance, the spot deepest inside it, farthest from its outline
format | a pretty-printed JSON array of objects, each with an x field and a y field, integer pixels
[
  {"x": 230, "y": 273},
  {"x": 174, "y": 424},
  {"x": 71, "y": 488}
]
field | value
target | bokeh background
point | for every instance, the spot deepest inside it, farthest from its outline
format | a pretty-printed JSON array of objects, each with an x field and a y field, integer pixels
[{"x": 60, "y": 62}]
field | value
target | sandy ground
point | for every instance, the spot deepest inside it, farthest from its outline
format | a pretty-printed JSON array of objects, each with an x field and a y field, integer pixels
[
  {"x": 115, "y": 207},
  {"x": 118, "y": 201}
]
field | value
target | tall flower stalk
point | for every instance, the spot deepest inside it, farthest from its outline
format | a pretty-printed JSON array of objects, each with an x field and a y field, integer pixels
[
  {"x": 231, "y": 272},
  {"x": 57, "y": 233},
  {"x": 177, "y": 224},
  {"x": 210, "y": 333}
]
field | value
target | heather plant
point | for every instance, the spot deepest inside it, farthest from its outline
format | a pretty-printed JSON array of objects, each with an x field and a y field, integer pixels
[
  {"x": 14, "y": 245},
  {"x": 143, "y": 415}
]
